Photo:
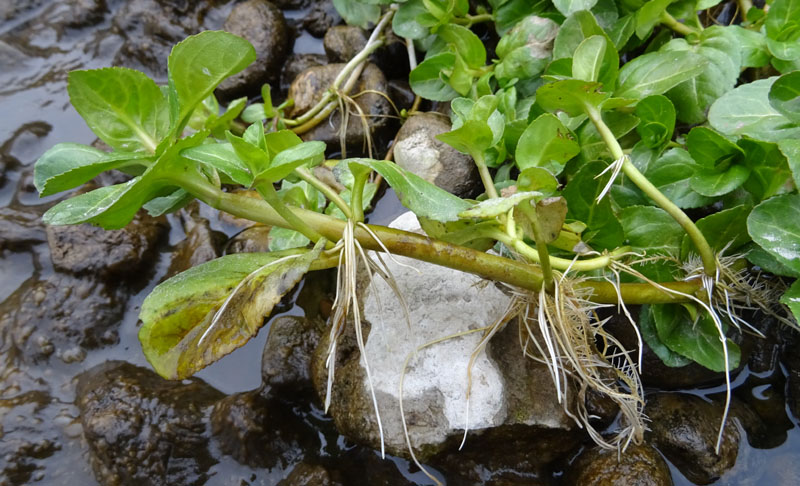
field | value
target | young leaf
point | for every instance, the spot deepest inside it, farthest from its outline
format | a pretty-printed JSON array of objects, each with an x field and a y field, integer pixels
[
  {"x": 358, "y": 13},
  {"x": 657, "y": 120},
  {"x": 168, "y": 204},
  {"x": 546, "y": 143},
  {"x": 468, "y": 45},
  {"x": 657, "y": 72},
  {"x": 698, "y": 341},
  {"x": 783, "y": 29},
  {"x": 198, "y": 316},
  {"x": 417, "y": 194},
  {"x": 577, "y": 27},
  {"x": 713, "y": 182},
  {"x": 285, "y": 162},
  {"x": 708, "y": 148},
  {"x": 405, "y": 24},
  {"x": 568, "y": 7},
  {"x": 746, "y": 110},
  {"x": 784, "y": 95},
  {"x": 596, "y": 59},
  {"x": 427, "y": 78},
  {"x": 254, "y": 157},
  {"x": 649, "y": 16},
  {"x": 775, "y": 226},
  {"x": 69, "y": 165},
  {"x": 199, "y": 64},
  {"x": 222, "y": 157},
  {"x": 123, "y": 107},
  {"x": 473, "y": 137}
]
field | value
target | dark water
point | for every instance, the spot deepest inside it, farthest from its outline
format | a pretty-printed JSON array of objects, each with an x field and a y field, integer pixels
[{"x": 37, "y": 48}]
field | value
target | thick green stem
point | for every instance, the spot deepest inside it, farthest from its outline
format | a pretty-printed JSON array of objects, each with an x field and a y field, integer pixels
[
  {"x": 471, "y": 20},
  {"x": 700, "y": 243},
  {"x": 423, "y": 248},
  {"x": 486, "y": 178},
  {"x": 325, "y": 189},
  {"x": 676, "y": 26},
  {"x": 541, "y": 245}
]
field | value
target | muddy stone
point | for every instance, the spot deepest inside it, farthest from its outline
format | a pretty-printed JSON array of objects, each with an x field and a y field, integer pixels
[
  {"x": 639, "y": 465},
  {"x": 322, "y": 16},
  {"x": 251, "y": 240},
  {"x": 143, "y": 430},
  {"x": 201, "y": 245},
  {"x": 684, "y": 428},
  {"x": 305, "y": 474},
  {"x": 261, "y": 23},
  {"x": 296, "y": 64},
  {"x": 286, "y": 361},
  {"x": 260, "y": 432},
  {"x": 20, "y": 228},
  {"x": 62, "y": 316},
  {"x": 124, "y": 253},
  {"x": 151, "y": 27},
  {"x": 418, "y": 150},
  {"x": 309, "y": 87},
  {"x": 343, "y": 42}
]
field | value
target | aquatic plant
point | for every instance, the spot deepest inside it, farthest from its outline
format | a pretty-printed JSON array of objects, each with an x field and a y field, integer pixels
[{"x": 595, "y": 127}]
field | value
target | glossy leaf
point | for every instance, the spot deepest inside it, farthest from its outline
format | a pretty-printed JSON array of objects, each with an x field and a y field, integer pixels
[
  {"x": 596, "y": 59},
  {"x": 546, "y": 143},
  {"x": 784, "y": 95},
  {"x": 465, "y": 43},
  {"x": 223, "y": 158},
  {"x": 713, "y": 183},
  {"x": 669, "y": 174},
  {"x": 199, "y": 316},
  {"x": 123, "y": 107},
  {"x": 603, "y": 228},
  {"x": 405, "y": 22},
  {"x": 567, "y": 7},
  {"x": 775, "y": 226},
  {"x": 783, "y": 29},
  {"x": 427, "y": 78},
  {"x": 572, "y": 96},
  {"x": 657, "y": 72},
  {"x": 647, "y": 327},
  {"x": 651, "y": 229},
  {"x": 200, "y": 63},
  {"x": 420, "y": 196},
  {"x": 723, "y": 230},
  {"x": 791, "y": 299},
  {"x": 577, "y": 27}
]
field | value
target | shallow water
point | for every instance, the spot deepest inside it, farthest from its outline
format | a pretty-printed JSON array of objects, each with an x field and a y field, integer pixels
[{"x": 36, "y": 51}]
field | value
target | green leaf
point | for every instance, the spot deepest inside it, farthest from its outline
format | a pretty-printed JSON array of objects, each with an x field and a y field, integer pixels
[
  {"x": 68, "y": 165},
  {"x": 596, "y": 59},
  {"x": 281, "y": 140},
  {"x": 198, "y": 316},
  {"x": 693, "y": 97},
  {"x": 427, "y": 78},
  {"x": 285, "y": 162},
  {"x": 473, "y": 137},
  {"x": 784, "y": 96},
  {"x": 222, "y": 157},
  {"x": 670, "y": 173},
  {"x": 713, "y": 183},
  {"x": 254, "y": 157},
  {"x": 791, "y": 299},
  {"x": 593, "y": 147},
  {"x": 420, "y": 196},
  {"x": 769, "y": 168},
  {"x": 465, "y": 43},
  {"x": 577, "y": 27},
  {"x": 746, "y": 110},
  {"x": 622, "y": 30},
  {"x": 546, "y": 143},
  {"x": 572, "y": 96},
  {"x": 657, "y": 72},
  {"x": 511, "y": 12},
  {"x": 360, "y": 14},
  {"x": 709, "y": 149},
  {"x": 753, "y": 46},
  {"x": 81, "y": 208},
  {"x": 168, "y": 204},
  {"x": 649, "y": 16},
  {"x": 650, "y": 335},
  {"x": 568, "y": 7},
  {"x": 698, "y": 341},
  {"x": 285, "y": 239},
  {"x": 775, "y": 226},
  {"x": 791, "y": 150},
  {"x": 123, "y": 107},
  {"x": 254, "y": 135},
  {"x": 603, "y": 228},
  {"x": 657, "y": 115},
  {"x": 651, "y": 229},
  {"x": 783, "y": 29},
  {"x": 493, "y": 207},
  {"x": 764, "y": 259},
  {"x": 199, "y": 64},
  {"x": 405, "y": 22},
  {"x": 724, "y": 230}
]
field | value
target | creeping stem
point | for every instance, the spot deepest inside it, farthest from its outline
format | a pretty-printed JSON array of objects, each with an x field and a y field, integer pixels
[
  {"x": 700, "y": 243},
  {"x": 423, "y": 248},
  {"x": 486, "y": 178}
]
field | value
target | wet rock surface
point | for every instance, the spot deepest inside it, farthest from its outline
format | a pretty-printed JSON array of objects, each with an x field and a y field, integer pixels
[
  {"x": 142, "y": 429},
  {"x": 124, "y": 253},
  {"x": 251, "y": 240},
  {"x": 309, "y": 87},
  {"x": 261, "y": 23},
  {"x": 418, "y": 150},
  {"x": 305, "y": 474},
  {"x": 20, "y": 228},
  {"x": 202, "y": 244},
  {"x": 435, "y": 383},
  {"x": 343, "y": 42},
  {"x": 25, "y": 447},
  {"x": 321, "y": 17},
  {"x": 260, "y": 432},
  {"x": 684, "y": 428},
  {"x": 286, "y": 361},
  {"x": 61, "y": 316},
  {"x": 296, "y": 64},
  {"x": 639, "y": 465}
]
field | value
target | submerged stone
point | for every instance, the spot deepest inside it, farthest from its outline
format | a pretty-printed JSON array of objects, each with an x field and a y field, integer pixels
[
  {"x": 143, "y": 430},
  {"x": 638, "y": 465}
]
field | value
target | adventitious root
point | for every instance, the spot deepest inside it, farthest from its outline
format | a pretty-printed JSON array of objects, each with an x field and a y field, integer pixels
[{"x": 561, "y": 330}]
